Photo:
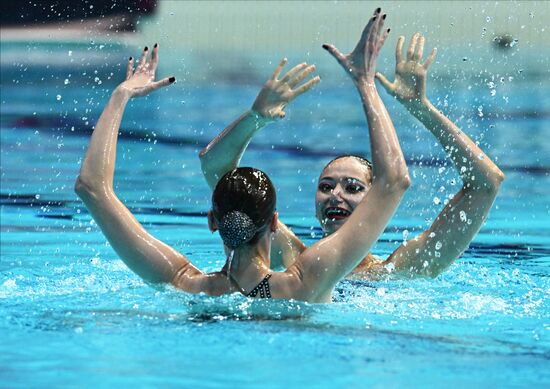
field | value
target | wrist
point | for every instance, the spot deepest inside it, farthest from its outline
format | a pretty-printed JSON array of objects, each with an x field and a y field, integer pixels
[
  {"x": 423, "y": 110},
  {"x": 121, "y": 94},
  {"x": 365, "y": 81},
  {"x": 260, "y": 119},
  {"x": 417, "y": 106},
  {"x": 367, "y": 88}
]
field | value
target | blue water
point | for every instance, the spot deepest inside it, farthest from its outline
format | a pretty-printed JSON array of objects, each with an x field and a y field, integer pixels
[{"x": 72, "y": 314}]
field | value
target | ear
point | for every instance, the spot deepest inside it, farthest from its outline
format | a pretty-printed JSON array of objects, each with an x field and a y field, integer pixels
[
  {"x": 274, "y": 222},
  {"x": 212, "y": 223}
]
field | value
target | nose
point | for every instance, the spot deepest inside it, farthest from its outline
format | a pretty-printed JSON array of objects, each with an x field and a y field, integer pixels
[{"x": 336, "y": 195}]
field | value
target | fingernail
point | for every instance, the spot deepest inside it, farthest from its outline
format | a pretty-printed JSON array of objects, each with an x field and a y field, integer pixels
[
  {"x": 325, "y": 47},
  {"x": 389, "y": 29},
  {"x": 378, "y": 10},
  {"x": 156, "y": 45},
  {"x": 384, "y": 16},
  {"x": 172, "y": 79},
  {"x": 129, "y": 59},
  {"x": 146, "y": 48}
]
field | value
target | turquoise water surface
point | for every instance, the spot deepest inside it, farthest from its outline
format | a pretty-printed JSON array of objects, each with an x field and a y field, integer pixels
[{"x": 73, "y": 315}]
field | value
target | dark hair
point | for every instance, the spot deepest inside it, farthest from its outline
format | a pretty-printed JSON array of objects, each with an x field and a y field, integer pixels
[
  {"x": 243, "y": 204},
  {"x": 362, "y": 160}
]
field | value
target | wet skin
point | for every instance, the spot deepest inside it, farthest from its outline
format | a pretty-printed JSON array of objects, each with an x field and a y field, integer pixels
[{"x": 342, "y": 186}]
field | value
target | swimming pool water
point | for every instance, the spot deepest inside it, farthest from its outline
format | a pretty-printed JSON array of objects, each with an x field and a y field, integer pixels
[{"x": 72, "y": 314}]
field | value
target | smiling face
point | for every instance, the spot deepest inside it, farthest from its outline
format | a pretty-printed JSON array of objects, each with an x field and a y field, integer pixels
[{"x": 342, "y": 186}]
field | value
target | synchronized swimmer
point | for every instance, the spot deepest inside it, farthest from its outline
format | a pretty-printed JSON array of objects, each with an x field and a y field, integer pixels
[
  {"x": 355, "y": 199},
  {"x": 346, "y": 180}
]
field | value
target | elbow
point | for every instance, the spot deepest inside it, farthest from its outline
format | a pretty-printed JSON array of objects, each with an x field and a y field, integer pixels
[
  {"x": 81, "y": 188},
  {"x": 496, "y": 180},
  {"x": 499, "y": 177},
  {"x": 206, "y": 161},
  {"x": 405, "y": 181},
  {"x": 87, "y": 190},
  {"x": 202, "y": 154},
  {"x": 492, "y": 185},
  {"x": 399, "y": 181}
]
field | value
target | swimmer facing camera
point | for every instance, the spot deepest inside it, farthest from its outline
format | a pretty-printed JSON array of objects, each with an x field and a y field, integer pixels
[
  {"x": 244, "y": 201},
  {"x": 346, "y": 181}
]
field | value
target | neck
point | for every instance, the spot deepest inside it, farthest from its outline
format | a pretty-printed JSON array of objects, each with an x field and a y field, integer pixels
[{"x": 250, "y": 263}]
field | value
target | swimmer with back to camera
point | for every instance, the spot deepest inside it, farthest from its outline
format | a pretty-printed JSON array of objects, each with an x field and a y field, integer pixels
[{"x": 243, "y": 204}]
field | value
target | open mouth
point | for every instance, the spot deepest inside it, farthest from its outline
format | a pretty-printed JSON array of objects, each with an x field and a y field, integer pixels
[{"x": 335, "y": 213}]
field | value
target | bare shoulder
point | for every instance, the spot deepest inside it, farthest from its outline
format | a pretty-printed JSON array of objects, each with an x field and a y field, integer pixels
[
  {"x": 193, "y": 280},
  {"x": 286, "y": 285}
]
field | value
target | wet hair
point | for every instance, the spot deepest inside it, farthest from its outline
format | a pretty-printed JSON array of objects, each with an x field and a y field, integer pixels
[
  {"x": 362, "y": 160},
  {"x": 243, "y": 204}
]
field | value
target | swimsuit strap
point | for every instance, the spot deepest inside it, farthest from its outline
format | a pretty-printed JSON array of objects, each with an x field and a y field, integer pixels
[{"x": 262, "y": 288}]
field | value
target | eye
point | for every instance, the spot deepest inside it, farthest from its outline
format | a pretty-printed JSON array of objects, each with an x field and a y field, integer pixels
[
  {"x": 325, "y": 187},
  {"x": 354, "y": 188}
]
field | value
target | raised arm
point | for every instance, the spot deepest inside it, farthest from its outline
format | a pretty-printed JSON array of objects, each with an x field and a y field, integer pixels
[
  {"x": 226, "y": 150},
  {"x": 151, "y": 259},
  {"x": 454, "y": 228},
  {"x": 322, "y": 265}
]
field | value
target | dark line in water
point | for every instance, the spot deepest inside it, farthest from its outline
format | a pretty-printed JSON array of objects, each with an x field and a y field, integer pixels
[
  {"x": 517, "y": 251},
  {"x": 30, "y": 200},
  {"x": 303, "y": 232},
  {"x": 62, "y": 125}
]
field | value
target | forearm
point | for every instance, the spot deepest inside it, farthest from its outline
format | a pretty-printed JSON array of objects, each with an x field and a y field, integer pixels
[
  {"x": 387, "y": 157},
  {"x": 226, "y": 150},
  {"x": 473, "y": 165},
  {"x": 99, "y": 162}
]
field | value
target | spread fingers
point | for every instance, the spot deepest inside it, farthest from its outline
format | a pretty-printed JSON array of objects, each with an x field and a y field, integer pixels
[
  {"x": 307, "y": 86},
  {"x": 300, "y": 76},
  {"x": 279, "y": 69}
]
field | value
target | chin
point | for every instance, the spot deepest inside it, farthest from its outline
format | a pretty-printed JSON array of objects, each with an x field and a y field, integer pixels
[{"x": 331, "y": 227}]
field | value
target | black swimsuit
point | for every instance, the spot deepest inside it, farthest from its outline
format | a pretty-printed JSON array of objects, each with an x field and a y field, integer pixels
[{"x": 262, "y": 288}]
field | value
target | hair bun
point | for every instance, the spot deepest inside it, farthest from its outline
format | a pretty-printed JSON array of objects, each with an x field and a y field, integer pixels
[{"x": 236, "y": 228}]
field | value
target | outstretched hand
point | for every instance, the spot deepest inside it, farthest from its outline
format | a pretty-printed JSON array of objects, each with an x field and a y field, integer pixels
[
  {"x": 277, "y": 93},
  {"x": 141, "y": 82},
  {"x": 409, "y": 86},
  {"x": 361, "y": 62}
]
